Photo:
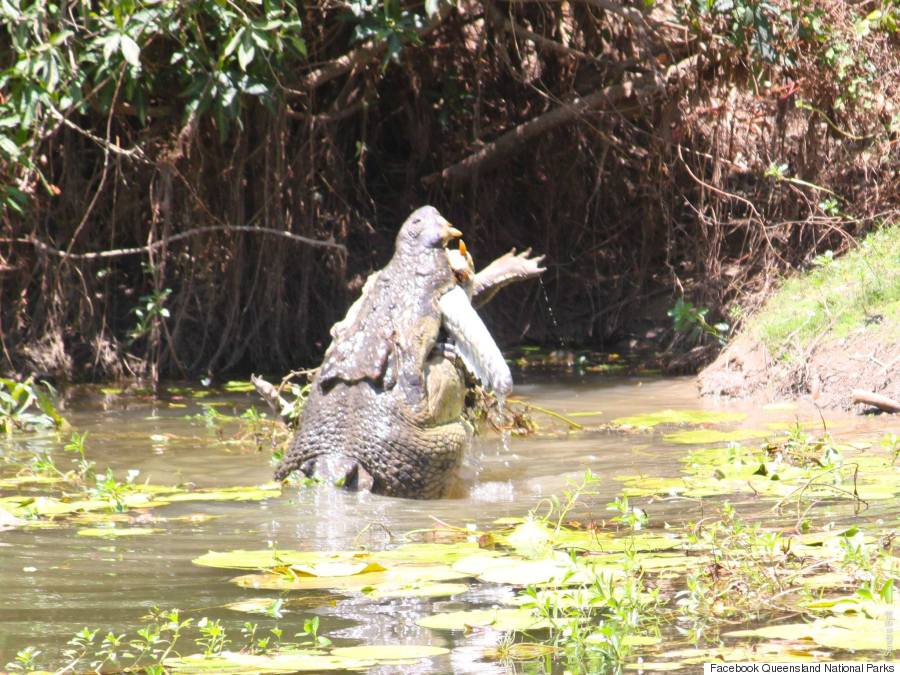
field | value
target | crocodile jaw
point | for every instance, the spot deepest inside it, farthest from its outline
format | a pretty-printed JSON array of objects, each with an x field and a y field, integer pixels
[{"x": 474, "y": 343}]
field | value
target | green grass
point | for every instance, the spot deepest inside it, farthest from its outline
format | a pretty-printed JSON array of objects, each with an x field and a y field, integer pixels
[{"x": 837, "y": 296}]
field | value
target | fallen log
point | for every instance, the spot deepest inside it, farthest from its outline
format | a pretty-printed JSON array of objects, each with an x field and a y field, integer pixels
[{"x": 884, "y": 403}]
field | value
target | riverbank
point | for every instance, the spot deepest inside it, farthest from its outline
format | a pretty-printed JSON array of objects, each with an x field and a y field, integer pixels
[{"x": 823, "y": 334}]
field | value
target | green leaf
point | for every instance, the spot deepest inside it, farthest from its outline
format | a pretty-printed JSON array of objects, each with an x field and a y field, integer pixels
[
  {"x": 49, "y": 409},
  {"x": 9, "y": 147},
  {"x": 299, "y": 45},
  {"x": 232, "y": 43},
  {"x": 130, "y": 51},
  {"x": 245, "y": 52},
  {"x": 110, "y": 45}
]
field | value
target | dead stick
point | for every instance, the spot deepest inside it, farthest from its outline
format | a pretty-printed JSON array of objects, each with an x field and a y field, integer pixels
[
  {"x": 543, "y": 42},
  {"x": 572, "y": 423},
  {"x": 881, "y": 402},
  {"x": 517, "y": 137},
  {"x": 269, "y": 394},
  {"x": 368, "y": 53},
  {"x": 115, "y": 253}
]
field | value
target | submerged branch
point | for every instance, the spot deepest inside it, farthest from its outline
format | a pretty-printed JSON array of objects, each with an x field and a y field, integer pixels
[{"x": 552, "y": 413}]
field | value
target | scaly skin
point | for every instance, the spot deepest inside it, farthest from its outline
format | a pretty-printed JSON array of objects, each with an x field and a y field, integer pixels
[{"x": 407, "y": 452}]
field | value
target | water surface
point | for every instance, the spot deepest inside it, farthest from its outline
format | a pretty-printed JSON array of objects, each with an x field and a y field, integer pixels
[{"x": 54, "y": 582}]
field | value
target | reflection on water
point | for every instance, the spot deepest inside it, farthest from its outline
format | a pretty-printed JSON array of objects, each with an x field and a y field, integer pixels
[{"x": 55, "y": 582}]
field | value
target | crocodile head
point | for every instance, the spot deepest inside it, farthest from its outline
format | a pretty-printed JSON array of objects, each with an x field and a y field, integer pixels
[{"x": 425, "y": 228}]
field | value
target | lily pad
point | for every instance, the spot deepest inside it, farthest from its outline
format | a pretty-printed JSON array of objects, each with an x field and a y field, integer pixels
[
  {"x": 505, "y": 620},
  {"x": 656, "y": 666},
  {"x": 782, "y": 652},
  {"x": 701, "y": 436},
  {"x": 307, "y": 563},
  {"x": 29, "y": 479},
  {"x": 521, "y": 651},
  {"x": 476, "y": 565},
  {"x": 117, "y": 532},
  {"x": 421, "y": 590},
  {"x": 51, "y": 506},
  {"x": 231, "y": 494},
  {"x": 402, "y": 574},
  {"x": 718, "y": 471},
  {"x": 383, "y": 653},
  {"x": 430, "y": 553},
  {"x": 855, "y": 632},
  {"x": 606, "y": 542},
  {"x": 280, "y": 662},
  {"x": 669, "y": 562},
  {"x": 336, "y": 568},
  {"x": 530, "y": 539},
  {"x": 268, "y": 604},
  {"x": 101, "y": 518},
  {"x": 650, "y": 420},
  {"x": 238, "y": 386},
  {"x": 558, "y": 598},
  {"x": 254, "y": 605},
  {"x": 687, "y": 486},
  {"x": 530, "y": 572}
]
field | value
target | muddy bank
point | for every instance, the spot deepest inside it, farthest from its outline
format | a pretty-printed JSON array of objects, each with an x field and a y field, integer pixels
[
  {"x": 833, "y": 328},
  {"x": 826, "y": 371}
]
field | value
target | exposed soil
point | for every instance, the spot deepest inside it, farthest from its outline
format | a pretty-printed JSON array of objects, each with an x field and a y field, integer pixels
[{"x": 826, "y": 372}]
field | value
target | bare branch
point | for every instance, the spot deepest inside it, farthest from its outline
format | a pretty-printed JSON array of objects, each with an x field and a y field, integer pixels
[
  {"x": 545, "y": 43},
  {"x": 119, "y": 252},
  {"x": 516, "y": 138},
  {"x": 359, "y": 56}
]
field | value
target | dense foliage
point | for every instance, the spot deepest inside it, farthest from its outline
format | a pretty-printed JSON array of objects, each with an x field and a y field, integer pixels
[{"x": 202, "y": 185}]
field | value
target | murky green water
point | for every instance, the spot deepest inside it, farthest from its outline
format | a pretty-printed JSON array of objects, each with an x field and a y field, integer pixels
[{"x": 52, "y": 582}]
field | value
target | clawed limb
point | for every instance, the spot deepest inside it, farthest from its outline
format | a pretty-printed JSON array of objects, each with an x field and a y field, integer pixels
[{"x": 506, "y": 269}]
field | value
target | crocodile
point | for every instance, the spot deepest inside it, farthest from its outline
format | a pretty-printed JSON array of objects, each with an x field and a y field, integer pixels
[{"x": 386, "y": 408}]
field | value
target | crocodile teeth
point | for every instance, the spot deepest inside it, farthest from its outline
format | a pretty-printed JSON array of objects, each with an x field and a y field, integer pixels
[{"x": 474, "y": 343}]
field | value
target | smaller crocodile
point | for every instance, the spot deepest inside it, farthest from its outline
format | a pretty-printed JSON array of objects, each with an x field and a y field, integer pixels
[{"x": 385, "y": 412}]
